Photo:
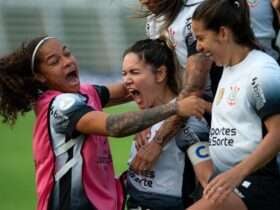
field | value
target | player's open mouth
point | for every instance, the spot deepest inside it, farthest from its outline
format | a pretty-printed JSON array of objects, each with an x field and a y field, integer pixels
[
  {"x": 72, "y": 76},
  {"x": 134, "y": 93},
  {"x": 137, "y": 97}
]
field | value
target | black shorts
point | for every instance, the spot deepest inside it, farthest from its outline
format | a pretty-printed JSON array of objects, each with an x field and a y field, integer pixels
[
  {"x": 260, "y": 192},
  {"x": 133, "y": 204}
]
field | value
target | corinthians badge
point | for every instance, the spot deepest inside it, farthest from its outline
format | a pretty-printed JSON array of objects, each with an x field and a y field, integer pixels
[
  {"x": 231, "y": 100},
  {"x": 219, "y": 95}
]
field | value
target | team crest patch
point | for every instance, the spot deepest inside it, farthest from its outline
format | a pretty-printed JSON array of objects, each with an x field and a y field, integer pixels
[
  {"x": 231, "y": 100},
  {"x": 220, "y": 95}
]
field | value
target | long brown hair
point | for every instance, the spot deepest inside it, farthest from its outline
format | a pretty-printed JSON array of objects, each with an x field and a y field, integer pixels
[{"x": 233, "y": 14}]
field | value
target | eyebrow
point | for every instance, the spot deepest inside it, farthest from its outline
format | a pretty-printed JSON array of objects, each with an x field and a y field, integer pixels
[
  {"x": 131, "y": 69},
  {"x": 53, "y": 55},
  {"x": 50, "y": 57}
]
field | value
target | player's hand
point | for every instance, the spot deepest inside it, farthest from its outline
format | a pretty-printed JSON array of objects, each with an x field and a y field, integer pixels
[
  {"x": 146, "y": 157},
  {"x": 192, "y": 106},
  {"x": 142, "y": 138},
  {"x": 219, "y": 188}
]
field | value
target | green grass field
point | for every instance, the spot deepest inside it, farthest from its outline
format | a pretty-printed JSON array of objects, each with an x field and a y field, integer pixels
[{"x": 17, "y": 190}]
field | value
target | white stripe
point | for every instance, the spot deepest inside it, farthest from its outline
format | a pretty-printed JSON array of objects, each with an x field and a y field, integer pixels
[
  {"x": 64, "y": 147},
  {"x": 61, "y": 172}
]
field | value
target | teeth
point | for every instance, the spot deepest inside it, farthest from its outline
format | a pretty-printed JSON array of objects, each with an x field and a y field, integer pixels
[
  {"x": 135, "y": 93},
  {"x": 208, "y": 54},
  {"x": 72, "y": 74}
]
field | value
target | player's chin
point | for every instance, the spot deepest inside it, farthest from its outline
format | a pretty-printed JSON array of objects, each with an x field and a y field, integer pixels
[{"x": 74, "y": 88}]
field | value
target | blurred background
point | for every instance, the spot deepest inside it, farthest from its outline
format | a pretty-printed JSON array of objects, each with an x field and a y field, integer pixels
[{"x": 97, "y": 32}]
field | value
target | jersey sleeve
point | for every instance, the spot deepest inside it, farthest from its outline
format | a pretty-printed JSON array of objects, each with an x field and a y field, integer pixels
[
  {"x": 66, "y": 111},
  {"x": 103, "y": 93},
  {"x": 194, "y": 130},
  {"x": 264, "y": 91}
]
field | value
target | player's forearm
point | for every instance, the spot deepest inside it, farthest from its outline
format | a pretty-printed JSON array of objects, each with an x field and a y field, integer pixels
[
  {"x": 118, "y": 94},
  {"x": 132, "y": 122},
  {"x": 168, "y": 129},
  {"x": 203, "y": 171},
  {"x": 173, "y": 124},
  {"x": 199, "y": 156}
]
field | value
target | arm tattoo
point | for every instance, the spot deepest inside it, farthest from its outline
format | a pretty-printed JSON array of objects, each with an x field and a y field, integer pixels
[
  {"x": 172, "y": 125},
  {"x": 132, "y": 122},
  {"x": 168, "y": 129}
]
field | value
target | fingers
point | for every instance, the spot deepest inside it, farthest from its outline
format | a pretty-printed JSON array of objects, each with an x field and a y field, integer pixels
[
  {"x": 142, "y": 138},
  {"x": 136, "y": 163},
  {"x": 223, "y": 194},
  {"x": 217, "y": 191},
  {"x": 218, "y": 195},
  {"x": 192, "y": 106},
  {"x": 140, "y": 166},
  {"x": 146, "y": 157},
  {"x": 198, "y": 112},
  {"x": 211, "y": 188},
  {"x": 200, "y": 108}
]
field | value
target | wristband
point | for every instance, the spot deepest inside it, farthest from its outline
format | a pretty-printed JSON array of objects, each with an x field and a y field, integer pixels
[{"x": 198, "y": 152}]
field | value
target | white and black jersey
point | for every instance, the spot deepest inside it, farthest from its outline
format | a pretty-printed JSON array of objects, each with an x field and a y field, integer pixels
[
  {"x": 262, "y": 19},
  {"x": 247, "y": 94},
  {"x": 65, "y": 111},
  {"x": 179, "y": 31},
  {"x": 172, "y": 175},
  {"x": 180, "y": 34}
]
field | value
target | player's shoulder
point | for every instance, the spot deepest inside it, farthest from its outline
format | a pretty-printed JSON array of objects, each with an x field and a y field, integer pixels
[
  {"x": 262, "y": 59},
  {"x": 68, "y": 101},
  {"x": 263, "y": 65}
]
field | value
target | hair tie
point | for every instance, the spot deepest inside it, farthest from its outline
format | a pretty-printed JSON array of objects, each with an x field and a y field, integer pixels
[{"x": 236, "y": 4}]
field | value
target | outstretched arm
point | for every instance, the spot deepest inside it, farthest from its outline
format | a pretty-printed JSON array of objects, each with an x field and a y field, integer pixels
[
  {"x": 131, "y": 122},
  {"x": 195, "y": 79},
  {"x": 118, "y": 94}
]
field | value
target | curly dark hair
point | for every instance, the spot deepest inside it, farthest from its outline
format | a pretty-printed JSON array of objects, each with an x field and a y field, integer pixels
[{"x": 18, "y": 87}]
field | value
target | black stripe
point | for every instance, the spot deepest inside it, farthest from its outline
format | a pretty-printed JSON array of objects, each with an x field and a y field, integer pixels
[
  {"x": 75, "y": 117},
  {"x": 60, "y": 198},
  {"x": 103, "y": 93},
  {"x": 51, "y": 198}
]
